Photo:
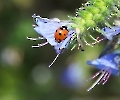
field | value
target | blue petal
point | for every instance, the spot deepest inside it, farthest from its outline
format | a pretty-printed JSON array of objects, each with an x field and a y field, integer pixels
[
  {"x": 110, "y": 32},
  {"x": 47, "y": 27},
  {"x": 64, "y": 44},
  {"x": 107, "y": 62}
]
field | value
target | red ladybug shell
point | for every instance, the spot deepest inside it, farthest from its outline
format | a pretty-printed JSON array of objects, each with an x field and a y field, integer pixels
[{"x": 61, "y": 34}]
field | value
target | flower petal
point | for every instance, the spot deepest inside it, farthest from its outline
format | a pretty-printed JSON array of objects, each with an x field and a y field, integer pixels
[
  {"x": 62, "y": 45},
  {"x": 107, "y": 62},
  {"x": 47, "y": 28},
  {"x": 110, "y": 32}
]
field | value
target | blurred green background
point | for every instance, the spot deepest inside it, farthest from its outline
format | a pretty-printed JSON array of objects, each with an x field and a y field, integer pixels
[{"x": 24, "y": 72}]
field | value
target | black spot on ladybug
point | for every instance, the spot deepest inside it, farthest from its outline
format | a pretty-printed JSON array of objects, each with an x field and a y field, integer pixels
[
  {"x": 56, "y": 30},
  {"x": 60, "y": 34},
  {"x": 64, "y": 34}
]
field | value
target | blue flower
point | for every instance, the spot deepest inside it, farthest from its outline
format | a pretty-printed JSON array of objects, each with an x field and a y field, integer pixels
[
  {"x": 114, "y": 39},
  {"x": 47, "y": 28},
  {"x": 108, "y": 64},
  {"x": 109, "y": 33}
]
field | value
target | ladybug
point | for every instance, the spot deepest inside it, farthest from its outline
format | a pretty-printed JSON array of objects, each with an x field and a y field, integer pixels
[{"x": 61, "y": 34}]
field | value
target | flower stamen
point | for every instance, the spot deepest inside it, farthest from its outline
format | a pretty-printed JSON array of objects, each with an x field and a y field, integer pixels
[
  {"x": 40, "y": 45},
  {"x": 97, "y": 81},
  {"x": 54, "y": 60},
  {"x": 98, "y": 41},
  {"x": 35, "y": 39}
]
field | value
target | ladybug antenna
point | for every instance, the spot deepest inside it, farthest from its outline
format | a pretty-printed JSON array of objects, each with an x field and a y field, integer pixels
[
  {"x": 40, "y": 45},
  {"x": 35, "y": 39},
  {"x": 54, "y": 60}
]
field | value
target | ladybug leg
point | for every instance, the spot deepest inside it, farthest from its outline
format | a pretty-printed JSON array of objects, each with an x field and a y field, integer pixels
[
  {"x": 40, "y": 45},
  {"x": 35, "y": 39}
]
